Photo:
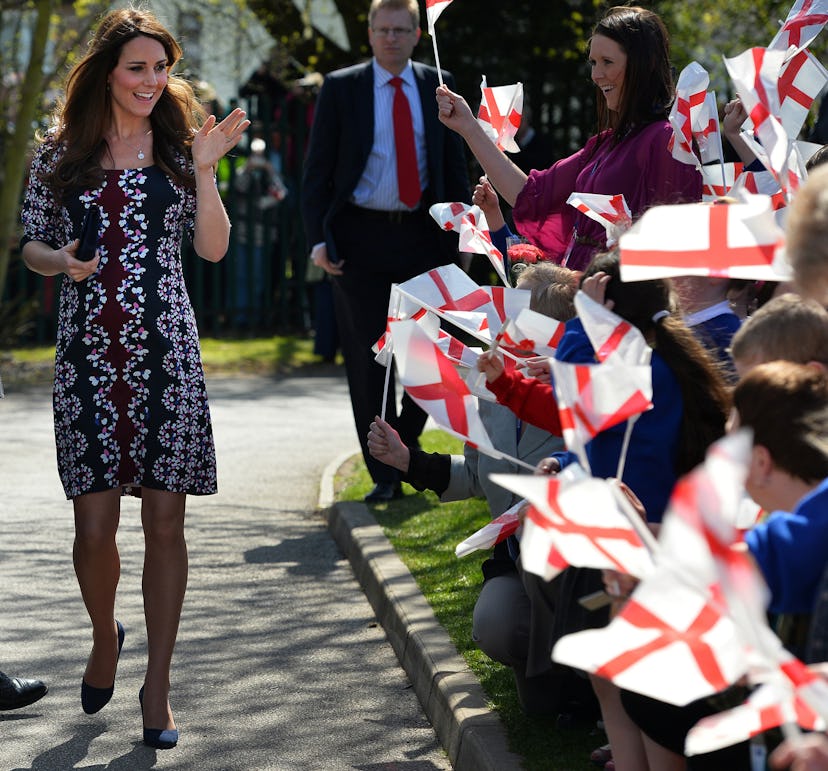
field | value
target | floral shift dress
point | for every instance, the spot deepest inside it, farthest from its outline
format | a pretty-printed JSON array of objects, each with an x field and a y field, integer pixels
[{"x": 130, "y": 402}]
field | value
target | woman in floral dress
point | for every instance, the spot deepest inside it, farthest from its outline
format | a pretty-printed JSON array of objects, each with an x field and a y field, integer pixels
[{"x": 130, "y": 404}]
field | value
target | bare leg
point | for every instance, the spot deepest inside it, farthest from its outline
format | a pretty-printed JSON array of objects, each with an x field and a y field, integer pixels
[
  {"x": 624, "y": 735},
  {"x": 98, "y": 568},
  {"x": 661, "y": 758},
  {"x": 164, "y": 584}
]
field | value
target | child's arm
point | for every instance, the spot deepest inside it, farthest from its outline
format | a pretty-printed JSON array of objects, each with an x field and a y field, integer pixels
[{"x": 486, "y": 198}]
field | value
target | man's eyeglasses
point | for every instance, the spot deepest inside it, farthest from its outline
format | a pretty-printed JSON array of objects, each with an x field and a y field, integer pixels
[{"x": 389, "y": 31}]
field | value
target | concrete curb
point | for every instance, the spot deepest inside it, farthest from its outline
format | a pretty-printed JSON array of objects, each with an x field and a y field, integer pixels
[{"x": 450, "y": 694}]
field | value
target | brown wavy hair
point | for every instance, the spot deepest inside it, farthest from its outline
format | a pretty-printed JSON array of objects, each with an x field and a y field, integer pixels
[
  {"x": 85, "y": 112},
  {"x": 648, "y": 78}
]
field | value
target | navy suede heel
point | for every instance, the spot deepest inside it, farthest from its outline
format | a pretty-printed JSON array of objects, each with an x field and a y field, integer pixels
[
  {"x": 95, "y": 699},
  {"x": 160, "y": 739}
]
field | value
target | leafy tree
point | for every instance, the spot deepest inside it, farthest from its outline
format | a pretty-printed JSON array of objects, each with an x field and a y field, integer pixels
[
  {"x": 542, "y": 44},
  {"x": 53, "y": 36}
]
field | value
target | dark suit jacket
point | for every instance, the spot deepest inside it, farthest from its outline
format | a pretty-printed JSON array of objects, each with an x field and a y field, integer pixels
[{"x": 341, "y": 139}]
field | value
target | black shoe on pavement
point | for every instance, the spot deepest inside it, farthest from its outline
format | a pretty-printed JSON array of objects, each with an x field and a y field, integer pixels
[
  {"x": 383, "y": 492},
  {"x": 16, "y": 692}
]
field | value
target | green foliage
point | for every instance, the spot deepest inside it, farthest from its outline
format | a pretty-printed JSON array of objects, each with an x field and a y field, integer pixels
[
  {"x": 543, "y": 45},
  {"x": 424, "y": 532}
]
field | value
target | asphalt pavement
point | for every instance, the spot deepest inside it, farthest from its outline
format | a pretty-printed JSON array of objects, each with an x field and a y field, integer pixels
[{"x": 281, "y": 662}]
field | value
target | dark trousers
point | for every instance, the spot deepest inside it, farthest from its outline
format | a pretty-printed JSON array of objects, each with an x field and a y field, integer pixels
[{"x": 379, "y": 250}]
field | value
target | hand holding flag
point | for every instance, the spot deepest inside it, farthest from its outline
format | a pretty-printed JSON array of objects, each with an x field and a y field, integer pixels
[{"x": 473, "y": 231}]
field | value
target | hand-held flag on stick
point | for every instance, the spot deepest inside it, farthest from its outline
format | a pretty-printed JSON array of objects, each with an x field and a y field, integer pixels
[
  {"x": 669, "y": 642},
  {"x": 737, "y": 240},
  {"x": 492, "y": 533},
  {"x": 802, "y": 79},
  {"x": 430, "y": 379},
  {"x": 531, "y": 334},
  {"x": 804, "y": 22},
  {"x": 470, "y": 224},
  {"x": 611, "y": 211},
  {"x": 446, "y": 288},
  {"x": 506, "y": 302},
  {"x": 788, "y": 699},
  {"x": 433, "y": 9},
  {"x": 501, "y": 108},
  {"x": 401, "y": 307},
  {"x": 717, "y": 181},
  {"x": 594, "y": 397},
  {"x": 610, "y": 335},
  {"x": 581, "y": 515},
  {"x": 755, "y": 74},
  {"x": 691, "y": 90}
]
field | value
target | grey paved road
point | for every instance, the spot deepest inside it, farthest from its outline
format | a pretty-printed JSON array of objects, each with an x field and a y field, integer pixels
[{"x": 279, "y": 665}]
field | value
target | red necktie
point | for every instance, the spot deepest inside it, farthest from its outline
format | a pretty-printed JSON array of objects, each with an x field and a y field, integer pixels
[{"x": 408, "y": 175}]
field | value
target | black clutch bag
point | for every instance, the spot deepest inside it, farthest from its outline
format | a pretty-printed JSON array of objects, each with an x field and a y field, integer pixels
[{"x": 89, "y": 234}]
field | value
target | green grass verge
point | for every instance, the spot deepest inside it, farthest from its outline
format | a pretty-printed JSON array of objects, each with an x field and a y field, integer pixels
[
  {"x": 276, "y": 355},
  {"x": 424, "y": 532}
]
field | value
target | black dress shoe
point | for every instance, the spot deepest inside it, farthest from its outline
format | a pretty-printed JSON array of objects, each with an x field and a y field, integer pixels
[
  {"x": 16, "y": 692},
  {"x": 384, "y": 491}
]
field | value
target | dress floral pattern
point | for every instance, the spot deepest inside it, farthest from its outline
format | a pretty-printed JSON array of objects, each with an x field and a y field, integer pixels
[{"x": 130, "y": 402}]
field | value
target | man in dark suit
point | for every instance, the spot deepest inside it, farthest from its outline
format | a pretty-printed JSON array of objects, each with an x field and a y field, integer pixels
[{"x": 365, "y": 204}]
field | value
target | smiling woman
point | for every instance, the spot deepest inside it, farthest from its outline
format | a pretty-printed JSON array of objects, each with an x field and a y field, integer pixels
[
  {"x": 132, "y": 146},
  {"x": 630, "y": 65}
]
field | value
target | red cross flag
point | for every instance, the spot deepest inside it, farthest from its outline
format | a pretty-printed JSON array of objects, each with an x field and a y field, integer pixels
[
  {"x": 760, "y": 183},
  {"x": 506, "y": 303},
  {"x": 800, "y": 82},
  {"x": 669, "y": 642},
  {"x": 433, "y": 10},
  {"x": 718, "y": 180},
  {"x": 707, "y": 133},
  {"x": 579, "y": 519},
  {"x": 699, "y": 536},
  {"x": 594, "y": 397},
  {"x": 793, "y": 697},
  {"x": 804, "y": 22},
  {"x": 611, "y": 211},
  {"x": 691, "y": 90},
  {"x": 531, "y": 334},
  {"x": 446, "y": 289},
  {"x": 431, "y": 380},
  {"x": 501, "y": 108},
  {"x": 755, "y": 74},
  {"x": 459, "y": 353},
  {"x": 473, "y": 232},
  {"x": 610, "y": 335},
  {"x": 499, "y": 529},
  {"x": 401, "y": 307},
  {"x": 734, "y": 240}
]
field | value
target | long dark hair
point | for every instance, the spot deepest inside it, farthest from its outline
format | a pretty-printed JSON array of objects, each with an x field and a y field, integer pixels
[
  {"x": 704, "y": 391},
  {"x": 648, "y": 80},
  {"x": 86, "y": 109}
]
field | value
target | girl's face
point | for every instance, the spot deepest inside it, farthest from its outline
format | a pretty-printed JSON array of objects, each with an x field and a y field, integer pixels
[
  {"x": 139, "y": 77},
  {"x": 608, "y": 62}
]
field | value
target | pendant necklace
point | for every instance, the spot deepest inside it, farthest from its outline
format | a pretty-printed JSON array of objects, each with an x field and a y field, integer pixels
[{"x": 140, "y": 147}]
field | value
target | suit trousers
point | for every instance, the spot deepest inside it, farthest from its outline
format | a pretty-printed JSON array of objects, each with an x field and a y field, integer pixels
[{"x": 378, "y": 249}]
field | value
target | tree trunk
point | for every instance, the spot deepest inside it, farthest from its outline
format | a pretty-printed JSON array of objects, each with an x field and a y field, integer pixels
[{"x": 15, "y": 161}]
